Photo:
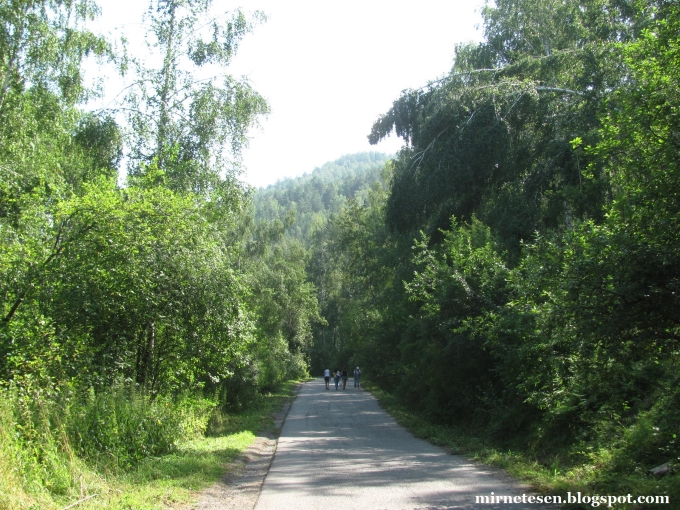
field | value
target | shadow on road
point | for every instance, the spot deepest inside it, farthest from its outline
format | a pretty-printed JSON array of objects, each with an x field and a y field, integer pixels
[{"x": 339, "y": 447}]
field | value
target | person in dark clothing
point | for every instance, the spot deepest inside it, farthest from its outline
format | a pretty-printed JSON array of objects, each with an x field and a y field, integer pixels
[{"x": 344, "y": 377}]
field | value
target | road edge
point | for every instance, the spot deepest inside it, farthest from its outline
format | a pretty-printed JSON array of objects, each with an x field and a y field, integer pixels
[{"x": 240, "y": 487}]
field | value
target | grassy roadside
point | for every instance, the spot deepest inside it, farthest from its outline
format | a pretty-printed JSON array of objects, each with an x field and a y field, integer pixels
[
  {"x": 595, "y": 477},
  {"x": 159, "y": 482},
  {"x": 175, "y": 479}
]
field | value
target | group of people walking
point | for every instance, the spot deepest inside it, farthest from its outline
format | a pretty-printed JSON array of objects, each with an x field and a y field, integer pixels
[{"x": 341, "y": 376}]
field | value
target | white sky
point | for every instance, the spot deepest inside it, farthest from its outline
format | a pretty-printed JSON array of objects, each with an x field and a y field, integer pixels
[{"x": 328, "y": 70}]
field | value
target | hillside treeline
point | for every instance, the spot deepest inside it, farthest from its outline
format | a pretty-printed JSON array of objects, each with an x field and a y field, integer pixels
[
  {"x": 312, "y": 199},
  {"x": 517, "y": 271}
]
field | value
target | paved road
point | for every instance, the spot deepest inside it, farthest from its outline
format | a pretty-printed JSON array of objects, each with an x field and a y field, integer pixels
[{"x": 340, "y": 450}]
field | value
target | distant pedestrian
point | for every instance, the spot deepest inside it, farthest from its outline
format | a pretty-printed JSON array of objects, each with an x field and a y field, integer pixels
[
  {"x": 357, "y": 375},
  {"x": 327, "y": 378},
  {"x": 344, "y": 377},
  {"x": 337, "y": 378}
]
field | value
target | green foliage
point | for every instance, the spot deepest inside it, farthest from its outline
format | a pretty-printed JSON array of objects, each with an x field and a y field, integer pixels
[
  {"x": 49, "y": 433},
  {"x": 492, "y": 138},
  {"x": 126, "y": 426},
  {"x": 191, "y": 127},
  {"x": 513, "y": 271},
  {"x": 40, "y": 466},
  {"x": 128, "y": 298},
  {"x": 356, "y": 269},
  {"x": 285, "y": 301},
  {"x": 315, "y": 197},
  {"x": 290, "y": 291},
  {"x": 118, "y": 303},
  {"x": 278, "y": 364},
  {"x": 119, "y": 425},
  {"x": 456, "y": 285},
  {"x": 42, "y": 45},
  {"x": 285, "y": 304}
]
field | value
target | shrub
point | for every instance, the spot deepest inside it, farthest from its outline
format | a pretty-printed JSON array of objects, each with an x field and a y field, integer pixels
[
  {"x": 116, "y": 427},
  {"x": 277, "y": 364},
  {"x": 127, "y": 425}
]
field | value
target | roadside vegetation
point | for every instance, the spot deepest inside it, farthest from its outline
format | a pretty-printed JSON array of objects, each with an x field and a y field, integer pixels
[
  {"x": 119, "y": 449},
  {"x": 132, "y": 313}
]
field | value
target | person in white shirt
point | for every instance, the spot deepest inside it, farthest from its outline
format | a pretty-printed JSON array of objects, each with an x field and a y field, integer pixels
[{"x": 327, "y": 378}]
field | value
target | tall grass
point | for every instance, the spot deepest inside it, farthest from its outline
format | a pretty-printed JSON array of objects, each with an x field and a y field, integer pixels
[{"x": 59, "y": 445}]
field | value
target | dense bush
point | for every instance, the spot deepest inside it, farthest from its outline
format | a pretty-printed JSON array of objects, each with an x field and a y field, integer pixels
[
  {"x": 126, "y": 425},
  {"x": 116, "y": 427},
  {"x": 277, "y": 364}
]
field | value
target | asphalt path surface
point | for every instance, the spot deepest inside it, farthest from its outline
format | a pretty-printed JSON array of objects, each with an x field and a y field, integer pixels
[{"x": 339, "y": 450}]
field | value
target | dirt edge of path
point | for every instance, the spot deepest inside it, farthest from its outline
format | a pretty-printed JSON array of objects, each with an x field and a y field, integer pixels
[{"x": 241, "y": 485}]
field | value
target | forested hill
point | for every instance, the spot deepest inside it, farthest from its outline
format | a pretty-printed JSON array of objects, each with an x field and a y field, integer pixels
[{"x": 315, "y": 196}]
